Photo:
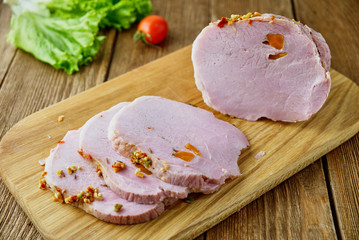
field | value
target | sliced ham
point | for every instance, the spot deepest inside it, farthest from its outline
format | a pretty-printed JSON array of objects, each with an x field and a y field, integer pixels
[
  {"x": 266, "y": 65},
  {"x": 66, "y": 185},
  {"x": 145, "y": 189},
  {"x": 187, "y": 146}
]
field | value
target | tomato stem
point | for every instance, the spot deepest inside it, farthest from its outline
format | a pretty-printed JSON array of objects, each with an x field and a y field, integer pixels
[{"x": 142, "y": 36}]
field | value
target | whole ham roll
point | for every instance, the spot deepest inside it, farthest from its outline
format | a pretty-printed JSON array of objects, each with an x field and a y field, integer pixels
[{"x": 262, "y": 65}]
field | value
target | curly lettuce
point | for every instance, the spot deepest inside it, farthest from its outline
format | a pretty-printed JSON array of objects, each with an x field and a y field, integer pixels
[{"x": 64, "y": 33}]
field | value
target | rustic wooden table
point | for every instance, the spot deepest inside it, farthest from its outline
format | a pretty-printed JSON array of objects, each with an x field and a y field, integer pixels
[{"x": 320, "y": 202}]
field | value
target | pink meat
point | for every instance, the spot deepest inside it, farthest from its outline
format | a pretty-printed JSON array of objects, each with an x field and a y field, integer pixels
[
  {"x": 149, "y": 189},
  {"x": 235, "y": 75},
  {"x": 65, "y": 155},
  {"x": 160, "y": 127}
]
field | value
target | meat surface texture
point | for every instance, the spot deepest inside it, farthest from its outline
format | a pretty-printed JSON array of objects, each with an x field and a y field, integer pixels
[
  {"x": 263, "y": 66},
  {"x": 186, "y": 145},
  {"x": 147, "y": 189},
  {"x": 65, "y": 155}
]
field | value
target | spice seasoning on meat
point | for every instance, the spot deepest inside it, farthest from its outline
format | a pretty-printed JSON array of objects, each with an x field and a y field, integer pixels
[
  {"x": 235, "y": 18},
  {"x": 86, "y": 197},
  {"x": 97, "y": 195},
  {"x": 118, "y": 166},
  {"x": 141, "y": 158},
  {"x": 118, "y": 207},
  {"x": 60, "y": 173},
  {"x": 272, "y": 20},
  {"x": 98, "y": 170},
  {"x": 81, "y": 152},
  {"x": 85, "y": 156},
  {"x": 223, "y": 22},
  {"x": 71, "y": 169},
  {"x": 138, "y": 173}
]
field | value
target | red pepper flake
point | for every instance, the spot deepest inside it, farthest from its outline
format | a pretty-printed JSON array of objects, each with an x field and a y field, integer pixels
[
  {"x": 81, "y": 152},
  {"x": 89, "y": 157},
  {"x": 59, "y": 142},
  {"x": 59, "y": 189},
  {"x": 149, "y": 128},
  {"x": 90, "y": 189},
  {"x": 42, "y": 184},
  {"x": 272, "y": 18},
  {"x": 98, "y": 170},
  {"x": 118, "y": 166},
  {"x": 223, "y": 22},
  {"x": 250, "y": 22}
]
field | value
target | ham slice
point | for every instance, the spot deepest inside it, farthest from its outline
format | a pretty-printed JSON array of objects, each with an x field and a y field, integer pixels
[
  {"x": 65, "y": 185},
  {"x": 184, "y": 145},
  {"x": 146, "y": 189},
  {"x": 266, "y": 65}
]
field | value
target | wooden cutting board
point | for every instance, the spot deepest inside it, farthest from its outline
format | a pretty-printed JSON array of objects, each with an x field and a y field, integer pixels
[{"x": 288, "y": 147}]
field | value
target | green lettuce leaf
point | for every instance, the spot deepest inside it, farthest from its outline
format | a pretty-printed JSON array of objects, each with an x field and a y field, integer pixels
[
  {"x": 63, "y": 43},
  {"x": 123, "y": 13},
  {"x": 64, "y": 33}
]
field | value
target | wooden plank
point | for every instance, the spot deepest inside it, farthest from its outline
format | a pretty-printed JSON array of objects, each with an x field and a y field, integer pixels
[
  {"x": 335, "y": 21},
  {"x": 7, "y": 51},
  {"x": 343, "y": 162},
  {"x": 298, "y": 208},
  {"x": 185, "y": 20},
  {"x": 29, "y": 86},
  {"x": 281, "y": 213},
  {"x": 227, "y": 7},
  {"x": 15, "y": 224},
  {"x": 289, "y": 148},
  {"x": 343, "y": 169}
]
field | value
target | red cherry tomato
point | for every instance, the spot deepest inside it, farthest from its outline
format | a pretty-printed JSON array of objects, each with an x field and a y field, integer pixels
[{"x": 151, "y": 30}]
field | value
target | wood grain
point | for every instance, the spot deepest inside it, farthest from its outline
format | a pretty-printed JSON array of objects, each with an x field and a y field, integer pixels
[
  {"x": 227, "y": 7},
  {"x": 289, "y": 148},
  {"x": 343, "y": 169},
  {"x": 7, "y": 51},
  {"x": 343, "y": 163},
  {"x": 128, "y": 56},
  {"x": 28, "y": 86},
  {"x": 297, "y": 209}
]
